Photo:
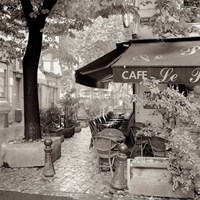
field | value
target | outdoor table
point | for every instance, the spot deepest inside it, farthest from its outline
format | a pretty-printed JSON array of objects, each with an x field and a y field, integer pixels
[
  {"x": 111, "y": 124},
  {"x": 114, "y": 134},
  {"x": 107, "y": 125}
]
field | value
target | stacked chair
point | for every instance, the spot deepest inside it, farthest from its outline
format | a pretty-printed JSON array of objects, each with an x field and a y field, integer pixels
[{"x": 106, "y": 121}]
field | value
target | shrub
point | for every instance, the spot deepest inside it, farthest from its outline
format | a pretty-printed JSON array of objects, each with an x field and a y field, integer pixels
[
  {"x": 69, "y": 106},
  {"x": 180, "y": 126},
  {"x": 49, "y": 119}
]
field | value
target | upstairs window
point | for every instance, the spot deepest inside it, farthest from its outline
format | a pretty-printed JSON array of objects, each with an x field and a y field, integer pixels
[
  {"x": 2, "y": 83},
  {"x": 51, "y": 66}
]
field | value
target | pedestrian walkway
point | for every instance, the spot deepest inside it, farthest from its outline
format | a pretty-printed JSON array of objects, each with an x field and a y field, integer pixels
[{"x": 76, "y": 175}]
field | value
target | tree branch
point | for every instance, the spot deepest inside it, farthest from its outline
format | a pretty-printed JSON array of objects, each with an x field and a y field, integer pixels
[
  {"x": 27, "y": 8},
  {"x": 49, "y": 4}
]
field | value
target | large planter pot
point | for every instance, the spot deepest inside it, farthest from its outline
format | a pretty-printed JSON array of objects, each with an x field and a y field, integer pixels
[
  {"x": 77, "y": 127},
  {"x": 149, "y": 176},
  {"x": 28, "y": 154},
  {"x": 57, "y": 133},
  {"x": 68, "y": 132}
]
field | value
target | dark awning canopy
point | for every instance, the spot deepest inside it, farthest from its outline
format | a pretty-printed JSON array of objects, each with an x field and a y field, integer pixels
[
  {"x": 175, "y": 60},
  {"x": 99, "y": 72}
]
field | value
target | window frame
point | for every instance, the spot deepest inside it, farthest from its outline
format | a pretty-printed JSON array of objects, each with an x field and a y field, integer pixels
[{"x": 3, "y": 73}]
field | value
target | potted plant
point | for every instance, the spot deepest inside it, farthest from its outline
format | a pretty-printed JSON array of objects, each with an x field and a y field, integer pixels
[
  {"x": 50, "y": 119},
  {"x": 50, "y": 122},
  {"x": 68, "y": 104},
  {"x": 180, "y": 126}
]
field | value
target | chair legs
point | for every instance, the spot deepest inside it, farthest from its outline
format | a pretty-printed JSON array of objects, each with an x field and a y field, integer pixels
[
  {"x": 132, "y": 151},
  {"x": 110, "y": 164},
  {"x": 142, "y": 147}
]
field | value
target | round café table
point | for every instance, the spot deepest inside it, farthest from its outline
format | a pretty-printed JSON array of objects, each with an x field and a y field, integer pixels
[{"x": 113, "y": 133}]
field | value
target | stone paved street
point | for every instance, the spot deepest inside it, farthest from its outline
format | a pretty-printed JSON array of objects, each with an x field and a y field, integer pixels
[{"x": 76, "y": 174}]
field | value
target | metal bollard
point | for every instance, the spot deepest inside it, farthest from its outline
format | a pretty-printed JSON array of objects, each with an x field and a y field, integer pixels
[
  {"x": 48, "y": 169},
  {"x": 118, "y": 181}
]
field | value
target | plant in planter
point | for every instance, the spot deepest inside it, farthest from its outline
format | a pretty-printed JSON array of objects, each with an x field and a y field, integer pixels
[
  {"x": 50, "y": 122},
  {"x": 49, "y": 119},
  {"x": 68, "y": 104},
  {"x": 180, "y": 126}
]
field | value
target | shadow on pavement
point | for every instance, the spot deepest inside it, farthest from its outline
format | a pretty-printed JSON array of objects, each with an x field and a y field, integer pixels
[{"x": 11, "y": 195}]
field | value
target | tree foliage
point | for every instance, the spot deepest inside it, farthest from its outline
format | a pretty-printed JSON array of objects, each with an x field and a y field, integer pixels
[{"x": 171, "y": 18}]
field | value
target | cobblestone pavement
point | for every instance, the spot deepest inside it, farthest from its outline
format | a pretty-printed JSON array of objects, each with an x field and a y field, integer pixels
[{"x": 76, "y": 174}]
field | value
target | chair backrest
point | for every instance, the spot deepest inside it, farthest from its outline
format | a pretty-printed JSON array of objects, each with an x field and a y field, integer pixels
[
  {"x": 102, "y": 120},
  {"x": 104, "y": 145},
  {"x": 158, "y": 145},
  {"x": 94, "y": 130},
  {"x": 132, "y": 131},
  {"x": 98, "y": 124}
]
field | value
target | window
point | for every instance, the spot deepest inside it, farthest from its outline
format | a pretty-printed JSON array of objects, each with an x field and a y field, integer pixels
[
  {"x": 51, "y": 66},
  {"x": 2, "y": 83},
  {"x": 180, "y": 87}
]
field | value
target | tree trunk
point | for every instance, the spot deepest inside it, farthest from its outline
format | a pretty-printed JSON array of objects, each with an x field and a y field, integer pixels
[{"x": 30, "y": 68}]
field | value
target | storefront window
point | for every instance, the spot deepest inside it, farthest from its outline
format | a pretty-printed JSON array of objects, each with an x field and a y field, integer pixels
[{"x": 180, "y": 87}]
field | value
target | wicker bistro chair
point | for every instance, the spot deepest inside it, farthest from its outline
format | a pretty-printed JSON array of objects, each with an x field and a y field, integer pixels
[
  {"x": 158, "y": 146},
  {"x": 105, "y": 150},
  {"x": 98, "y": 124},
  {"x": 94, "y": 131},
  {"x": 140, "y": 141}
]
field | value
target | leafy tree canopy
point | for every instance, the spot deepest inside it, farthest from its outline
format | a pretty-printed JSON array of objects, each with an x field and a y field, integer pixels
[
  {"x": 64, "y": 16},
  {"x": 171, "y": 18}
]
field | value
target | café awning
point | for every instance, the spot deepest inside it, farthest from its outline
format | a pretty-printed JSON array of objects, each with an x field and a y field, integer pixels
[
  {"x": 174, "y": 60},
  {"x": 99, "y": 72}
]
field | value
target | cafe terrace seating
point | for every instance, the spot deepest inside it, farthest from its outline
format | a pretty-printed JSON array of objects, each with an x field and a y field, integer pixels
[
  {"x": 113, "y": 121},
  {"x": 105, "y": 121},
  {"x": 157, "y": 143}
]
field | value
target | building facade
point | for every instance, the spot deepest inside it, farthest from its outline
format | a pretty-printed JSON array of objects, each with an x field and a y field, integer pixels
[
  {"x": 49, "y": 81},
  {"x": 11, "y": 88}
]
